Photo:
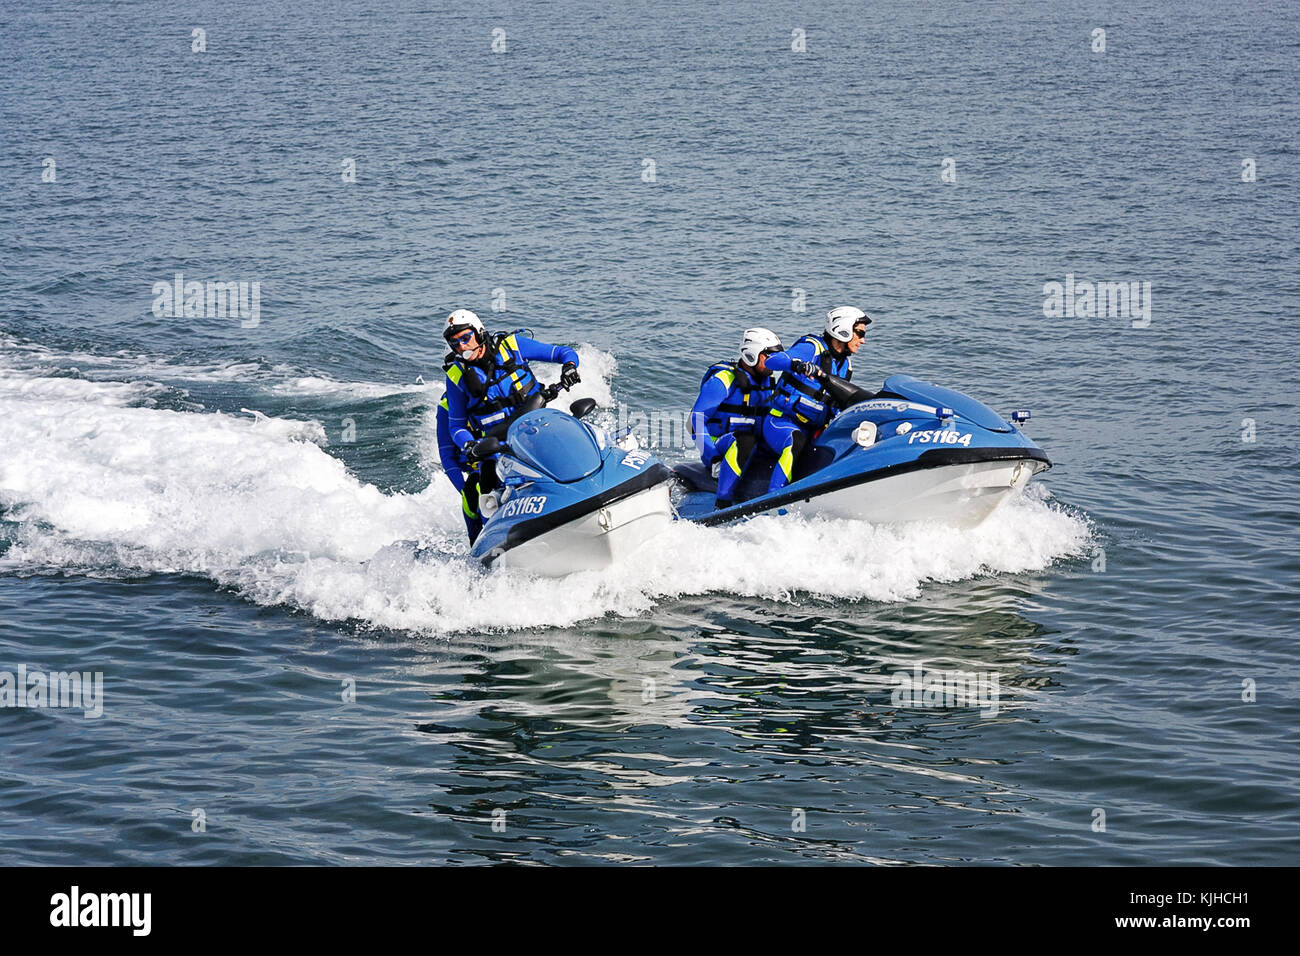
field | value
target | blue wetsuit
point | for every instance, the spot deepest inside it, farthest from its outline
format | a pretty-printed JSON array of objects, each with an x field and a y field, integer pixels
[
  {"x": 453, "y": 460},
  {"x": 726, "y": 419},
  {"x": 455, "y": 466},
  {"x": 483, "y": 394},
  {"x": 800, "y": 408}
]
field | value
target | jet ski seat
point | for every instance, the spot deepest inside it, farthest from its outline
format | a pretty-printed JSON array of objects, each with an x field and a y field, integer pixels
[{"x": 696, "y": 477}]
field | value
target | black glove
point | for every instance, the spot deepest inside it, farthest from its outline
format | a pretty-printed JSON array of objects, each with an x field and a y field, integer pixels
[
  {"x": 469, "y": 449},
  {"x": 569, "y": 375},
  {"x": 806, "y": 369}
]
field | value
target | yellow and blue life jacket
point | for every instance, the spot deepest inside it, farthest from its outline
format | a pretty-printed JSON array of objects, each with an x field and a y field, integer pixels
[
  {"x": 803, "y": 398},
  {"x": 493, "y": 389},
  {"x": 746, "y": 404}
]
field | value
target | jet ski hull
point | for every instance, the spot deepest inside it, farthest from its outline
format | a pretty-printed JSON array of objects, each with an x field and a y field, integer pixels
[
  {"x": 598, "y": 539},
  {"x": 962, "y": 494}
]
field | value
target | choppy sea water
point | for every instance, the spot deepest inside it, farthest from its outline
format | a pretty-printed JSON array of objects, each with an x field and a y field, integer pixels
[{"x": 200, "y": 508}]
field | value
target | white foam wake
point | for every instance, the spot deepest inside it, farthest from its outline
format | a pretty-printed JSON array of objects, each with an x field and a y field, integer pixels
[
  {"x": 124, "y": 365},
  {"x": 93, "y": 480}
]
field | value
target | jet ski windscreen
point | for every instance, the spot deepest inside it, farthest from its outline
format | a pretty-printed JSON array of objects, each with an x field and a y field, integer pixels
[
  {"x": 556, "y": 444},
  {"x": 968, "y": 408}
]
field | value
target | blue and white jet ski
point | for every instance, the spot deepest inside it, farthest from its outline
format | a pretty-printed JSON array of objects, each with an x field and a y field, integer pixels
[
  {"x": 569, "y": 499},
  {"x": 911, "y": 452}
]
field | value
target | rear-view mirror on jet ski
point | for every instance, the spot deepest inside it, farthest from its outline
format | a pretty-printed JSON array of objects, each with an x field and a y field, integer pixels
[{"x": 582, "y": 407}]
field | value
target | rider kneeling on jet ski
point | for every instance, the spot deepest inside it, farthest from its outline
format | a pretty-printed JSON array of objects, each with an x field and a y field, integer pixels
[
  {"x": 800, "y": 406},
  {"x": 488, "y": 381},
  {"x": 734, "y": 399}
]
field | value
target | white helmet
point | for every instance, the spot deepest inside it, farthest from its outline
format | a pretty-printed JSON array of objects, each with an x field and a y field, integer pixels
[
  {"x": 841, "y": 319},
  {"x": 459, "y": 321},
  {"x": 755, "y": 342}
]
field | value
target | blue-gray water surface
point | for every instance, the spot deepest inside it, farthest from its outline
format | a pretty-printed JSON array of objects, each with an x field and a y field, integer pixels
[{"x": 200, "y": 508}]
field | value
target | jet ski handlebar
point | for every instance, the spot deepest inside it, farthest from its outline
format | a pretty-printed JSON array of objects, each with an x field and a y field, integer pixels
[
  {"x": 578, "y": 409},
  {"x": 843, "y": 393},
  {"x": 486, "y": 448},
  {"x": 539, "y": 399}
]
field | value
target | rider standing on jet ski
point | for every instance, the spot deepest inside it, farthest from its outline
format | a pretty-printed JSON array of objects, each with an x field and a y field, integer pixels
[
  {"x": 801, "y": 407},
  {"x": 734, "y": 399},
  {"x": 488, "y": 381}
]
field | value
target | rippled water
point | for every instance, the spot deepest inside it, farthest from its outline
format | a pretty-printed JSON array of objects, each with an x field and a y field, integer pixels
[{"x": 728, "y": 699}]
